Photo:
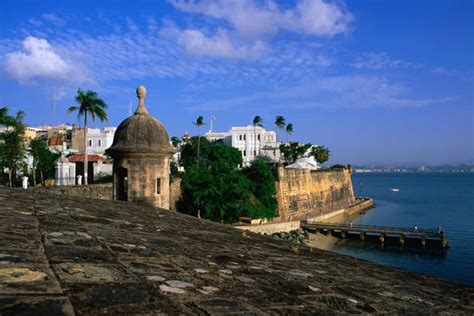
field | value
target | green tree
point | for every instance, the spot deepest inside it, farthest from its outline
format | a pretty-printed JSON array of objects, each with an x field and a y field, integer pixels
[
  {"x": 294, "y": 150},
  {"x": 262, "y": 180},
  {"x": 176, "y": 141},
  {"x": 12, "y": 144},
  {"x": 89, "y": 104},
  {"x": 43, "y": 160},
  {"x": 320, "y": 153},
  {"x": 190, "y": 148},
  {"x": 199, "y": 122},
  {"x": 215, "y": 188},
  {"x": 257, "y": 121},
  {"x": 289, "y": 131}
]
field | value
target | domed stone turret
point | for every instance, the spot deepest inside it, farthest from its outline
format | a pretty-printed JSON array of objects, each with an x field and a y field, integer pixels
[
  {"x": 141, "y": 150},
  {"x": 141, "y": 133}
]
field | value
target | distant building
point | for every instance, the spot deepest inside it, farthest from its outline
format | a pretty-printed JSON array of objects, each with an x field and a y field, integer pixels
[
  {"x": 250, "y": 141},
  {"x": 30, "y": 134},
  {"x": 98, "y": 139}
]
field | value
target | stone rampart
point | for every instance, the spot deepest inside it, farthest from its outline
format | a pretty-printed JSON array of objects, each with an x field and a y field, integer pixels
[
  {"x": 175, "y": 193},
  {"x": 303, "y": 194},
  {"x": 92, "y": 191}
]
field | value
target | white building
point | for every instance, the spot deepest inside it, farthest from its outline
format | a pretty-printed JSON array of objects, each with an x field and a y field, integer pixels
[
  {"x": 251, "y": 141},
  {"x": 98, "y": 140}
]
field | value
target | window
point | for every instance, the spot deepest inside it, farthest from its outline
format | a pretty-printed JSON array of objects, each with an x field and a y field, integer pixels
[
  {"x": 89, "y": 143},
  {"x": 99, "y": 143},
  {"x": 240, "y": 137},
  {"x": 158, "y": 186},
  {"x": 258, "y": 136},
  {"x": 244, "y": 137},
  {"x": 245, "y": 153}
]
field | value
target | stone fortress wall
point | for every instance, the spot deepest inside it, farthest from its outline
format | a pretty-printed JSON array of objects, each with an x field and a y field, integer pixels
[
  {"x": 303, "y": 194},
  {"x": 105, "y": 191},
  {"x": 91, "y": 191}
]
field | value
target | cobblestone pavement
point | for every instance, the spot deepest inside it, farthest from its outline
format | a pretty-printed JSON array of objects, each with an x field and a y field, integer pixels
[{"x": 75, "y": 256}]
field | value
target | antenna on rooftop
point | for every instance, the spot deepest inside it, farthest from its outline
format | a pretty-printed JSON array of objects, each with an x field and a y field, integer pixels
[
  {"x": 54, "y": 107},
  {"x": 213, "y": 118}
]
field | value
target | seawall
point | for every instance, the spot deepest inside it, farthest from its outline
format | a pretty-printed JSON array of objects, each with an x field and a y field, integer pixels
[
  {"x": 303, "y": 194},
  {"x": 287, "y": 226}
]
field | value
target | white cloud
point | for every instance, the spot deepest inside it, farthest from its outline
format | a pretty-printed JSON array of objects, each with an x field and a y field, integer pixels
[
  {"x": 381, "y": 61},
  {"x": 256, "y": 20},
  {"x": 318, "y": 17},
  {"x": 220, "y": 45},
  {"x": 54, "y": 19},
  {"x": 35, "y": 22},
  {"x": 444, "y": 71},
  {"x": 39, "y": 60},
  {"x": 345, "y": 91},
  {"x": 131, "y": 25}
]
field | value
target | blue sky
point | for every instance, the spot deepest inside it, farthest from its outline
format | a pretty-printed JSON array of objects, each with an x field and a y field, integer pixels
[{"x": 375, "y": 81}]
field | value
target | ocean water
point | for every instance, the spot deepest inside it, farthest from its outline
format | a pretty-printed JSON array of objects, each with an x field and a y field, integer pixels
[{"x": 427, "y": 200}]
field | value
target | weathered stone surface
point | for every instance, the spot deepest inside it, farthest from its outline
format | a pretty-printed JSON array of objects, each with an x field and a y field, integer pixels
[
  {"x": 66, "y": 256},
  {"x": 93, "y": 191}
]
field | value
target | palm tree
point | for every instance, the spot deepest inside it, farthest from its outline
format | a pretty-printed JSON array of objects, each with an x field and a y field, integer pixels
[
  {"x": 280, "y": 122},
  {"x": 257, "y": 121},
  {"x": 289, "y": 130},
  {"x": 199, "y": 122},
  {"x": 89, "y": 104}
]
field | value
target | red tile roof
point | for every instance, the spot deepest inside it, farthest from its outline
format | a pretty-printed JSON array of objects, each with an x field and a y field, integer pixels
[{"x": 91, "y": 158}]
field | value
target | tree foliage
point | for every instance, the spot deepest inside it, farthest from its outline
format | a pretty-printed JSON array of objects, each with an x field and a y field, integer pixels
[
  {"x": 293, "y": 151},
  {"x": 320, "y": 153},
  {"x": 189, "y": 151},
  {"x": 43, "y": 160},
  {"x": 89, "y": 104},
  {"x": 262, "y": 180},
  {"x": 288, "y": 130},
  {"x": 215, "y": 188},
  {"x": 176, "y": 141},
  {"x": 12, "y": 145},
  {"x": 280, "y": 122}
]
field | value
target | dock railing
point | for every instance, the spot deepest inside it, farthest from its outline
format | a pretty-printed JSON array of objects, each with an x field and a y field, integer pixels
[{"x": 383, "y": 231}]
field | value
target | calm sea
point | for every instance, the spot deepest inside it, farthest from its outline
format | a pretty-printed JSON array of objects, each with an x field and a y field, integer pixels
[{"x": 427, "y": 200}]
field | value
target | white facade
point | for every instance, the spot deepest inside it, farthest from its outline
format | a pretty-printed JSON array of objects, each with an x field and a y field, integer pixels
[
  {"x": 101, "y": 168},
  {"x": 65, "y": 172},
  {"x": 308, "y": 163},
  {"x": 98, "y": 140},
  {"x": 251, "y": 141}
]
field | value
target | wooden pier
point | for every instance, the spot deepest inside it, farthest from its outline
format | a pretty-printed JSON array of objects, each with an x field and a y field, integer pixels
[{"x": 424, "y": 237}]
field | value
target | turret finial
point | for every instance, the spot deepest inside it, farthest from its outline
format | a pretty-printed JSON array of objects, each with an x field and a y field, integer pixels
[{"x": 141, "y": 94}]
